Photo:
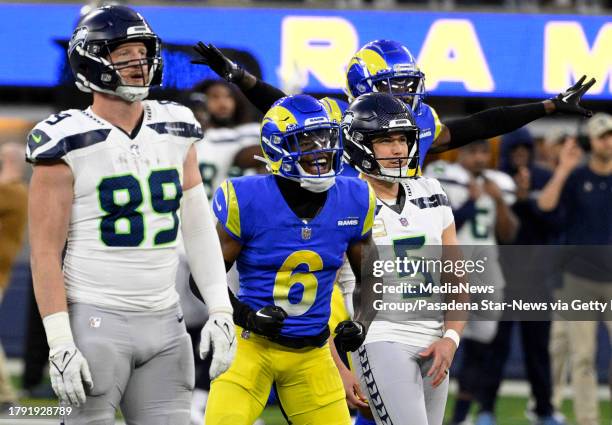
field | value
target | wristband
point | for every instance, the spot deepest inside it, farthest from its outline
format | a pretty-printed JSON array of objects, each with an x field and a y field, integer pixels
[
  {"x": 454, "y": 335},
  {"x": 57, "y": 328}
]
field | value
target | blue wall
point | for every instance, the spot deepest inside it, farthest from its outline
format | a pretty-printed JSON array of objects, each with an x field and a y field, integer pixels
[{"x": 463, "y": 54}]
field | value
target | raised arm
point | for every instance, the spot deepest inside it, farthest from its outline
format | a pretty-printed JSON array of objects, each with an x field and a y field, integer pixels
[
  {"x": 496, "y": 121},
  {"x": 260, "y": 94}
]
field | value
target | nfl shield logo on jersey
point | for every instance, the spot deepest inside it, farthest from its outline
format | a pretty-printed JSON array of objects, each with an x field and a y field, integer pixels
[
  {"x": 306, "y": 233},
  {"x": 404, "y": 221}
]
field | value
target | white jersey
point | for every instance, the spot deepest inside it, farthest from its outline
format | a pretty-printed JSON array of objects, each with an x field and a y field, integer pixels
[
  {"x": 122, "y": 237},
  {"x": 455, "y": 179},
  {"x": 217, "y": 150},
  {"x": 415, "y": 231}
]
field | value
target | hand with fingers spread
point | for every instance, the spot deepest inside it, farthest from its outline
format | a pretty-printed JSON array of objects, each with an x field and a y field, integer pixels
[
  {"x": 218, "y": 62},
  {"x": 68, "y": 371},
  {"x": 568, "y": 102},
  {"x": 443, "y": 352}
]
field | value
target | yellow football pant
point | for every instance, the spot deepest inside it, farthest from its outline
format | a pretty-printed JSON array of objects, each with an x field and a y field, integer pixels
[{"x": 307, "y": 382}]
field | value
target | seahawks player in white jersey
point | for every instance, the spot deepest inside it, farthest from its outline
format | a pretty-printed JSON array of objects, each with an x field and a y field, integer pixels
[
  {"x": 403, "y": 364},
  {"x": 115, "y": 182}
]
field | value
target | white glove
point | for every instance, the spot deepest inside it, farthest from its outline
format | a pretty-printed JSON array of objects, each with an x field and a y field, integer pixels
[
  {"x": 218, "y": 332},
  {"x": 68, "y": 370}
]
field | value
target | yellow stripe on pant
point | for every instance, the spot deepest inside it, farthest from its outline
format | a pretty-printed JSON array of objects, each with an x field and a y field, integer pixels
[{"x": 307, "y": 380}]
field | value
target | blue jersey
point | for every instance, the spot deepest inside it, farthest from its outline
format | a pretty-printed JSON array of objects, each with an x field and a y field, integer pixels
[
  {"x": 287, "y": 261},
  {"x": 429, "y": 128}
]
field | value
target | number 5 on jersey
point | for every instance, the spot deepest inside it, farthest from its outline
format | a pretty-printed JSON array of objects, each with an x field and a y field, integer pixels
[{"x": 121, "y": 198}]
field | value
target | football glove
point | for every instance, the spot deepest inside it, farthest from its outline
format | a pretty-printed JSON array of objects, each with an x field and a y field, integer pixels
[
  {"x": 218, "y": 333},
  {"x": 350, "y": 334},
  {"x": 68, "y": 370},
  {"x": 267, "y": 321},
  {"x": 568, "y": 102},
  {"x": 218, "y": 62}
]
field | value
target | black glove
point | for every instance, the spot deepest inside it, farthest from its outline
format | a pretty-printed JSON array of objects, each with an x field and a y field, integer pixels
[
  {"x": 350, "y": 335},
  {"x": 218, "y": 62},
  {"x": 568, "y": 102},
  {"x": 267, "y": 321}
]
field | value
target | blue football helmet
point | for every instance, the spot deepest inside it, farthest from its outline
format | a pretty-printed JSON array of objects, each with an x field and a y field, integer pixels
[
  {"x": 301, "y": 142},
  {"x": 335, "y": 108},
  {"x": 96, "y": 35},
  {"x": 386, "y": 66}
]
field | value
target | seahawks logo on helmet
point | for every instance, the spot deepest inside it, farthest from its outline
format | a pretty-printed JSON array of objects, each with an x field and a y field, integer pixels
[{"x": 78, "y": 39}]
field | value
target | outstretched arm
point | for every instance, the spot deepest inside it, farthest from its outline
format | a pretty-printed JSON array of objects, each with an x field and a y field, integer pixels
[
  {"x": 496, "y": 121},
  {"x": 259, "y": 93}
]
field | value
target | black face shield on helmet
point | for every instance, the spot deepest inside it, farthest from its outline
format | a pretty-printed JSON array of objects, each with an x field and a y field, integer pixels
[
  {"x": 375, "y": 115},
  {"x": 96, "y": 35}
]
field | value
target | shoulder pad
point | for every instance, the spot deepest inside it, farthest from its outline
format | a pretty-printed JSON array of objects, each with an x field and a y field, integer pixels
[
  {"x": 53, "y": 138},
  {"x": 172, "y": 118}
]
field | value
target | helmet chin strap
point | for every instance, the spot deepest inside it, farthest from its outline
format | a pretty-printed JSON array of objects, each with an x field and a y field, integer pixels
[
  {"x": 315, "y": 184},
  {"x": 402, "y": 174},
  {"x": 132, "y": 94},
  {"x": 128, "y": 93}
]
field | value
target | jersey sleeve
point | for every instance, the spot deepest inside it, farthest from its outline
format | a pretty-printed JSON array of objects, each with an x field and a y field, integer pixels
[
  {"x": 227, "y": 209},
  {"x": 54, "y": 139},
  {"x": 45, "y": 145},
  {"x": 437, "y": 123},
  {"x": 443, "y": 202},
  {"x": 368, "y": 220}
]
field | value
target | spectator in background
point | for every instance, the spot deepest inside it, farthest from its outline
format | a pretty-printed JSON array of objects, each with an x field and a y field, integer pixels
[
  {"x": 231, "y": 137},
  {"x": 550, "y": 147},
  {"x": 481, "y": 199},
  {"x": 582, "y": 195},
  {"x": 13, "y": 218},
  {"x": 537, "y": 228}
]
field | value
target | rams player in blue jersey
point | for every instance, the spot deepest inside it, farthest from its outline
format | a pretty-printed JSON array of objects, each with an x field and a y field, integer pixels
[{"x": 288, "y": 232}]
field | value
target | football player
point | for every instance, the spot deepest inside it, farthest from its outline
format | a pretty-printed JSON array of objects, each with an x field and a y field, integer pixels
[
  {"x": 114, "y": 183},
  {"x": 227, "y": 139},
  {"x": 388, "y": 66},
  {"x": 288, "y": 232},
  {"x": 413, "y": 219}
]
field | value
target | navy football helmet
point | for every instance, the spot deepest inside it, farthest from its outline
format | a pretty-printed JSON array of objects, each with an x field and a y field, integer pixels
[
  {"x": 375, "y": 115},
  {"x": 96, "y": 35}
]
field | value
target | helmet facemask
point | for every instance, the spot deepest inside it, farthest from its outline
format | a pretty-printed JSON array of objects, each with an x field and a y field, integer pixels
[
  {"x": 98, "y": 56},
  {"x": 311, "y": 155},
  {"x": 409, "y": 89},
  {"x": 401, "y": 167}
]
